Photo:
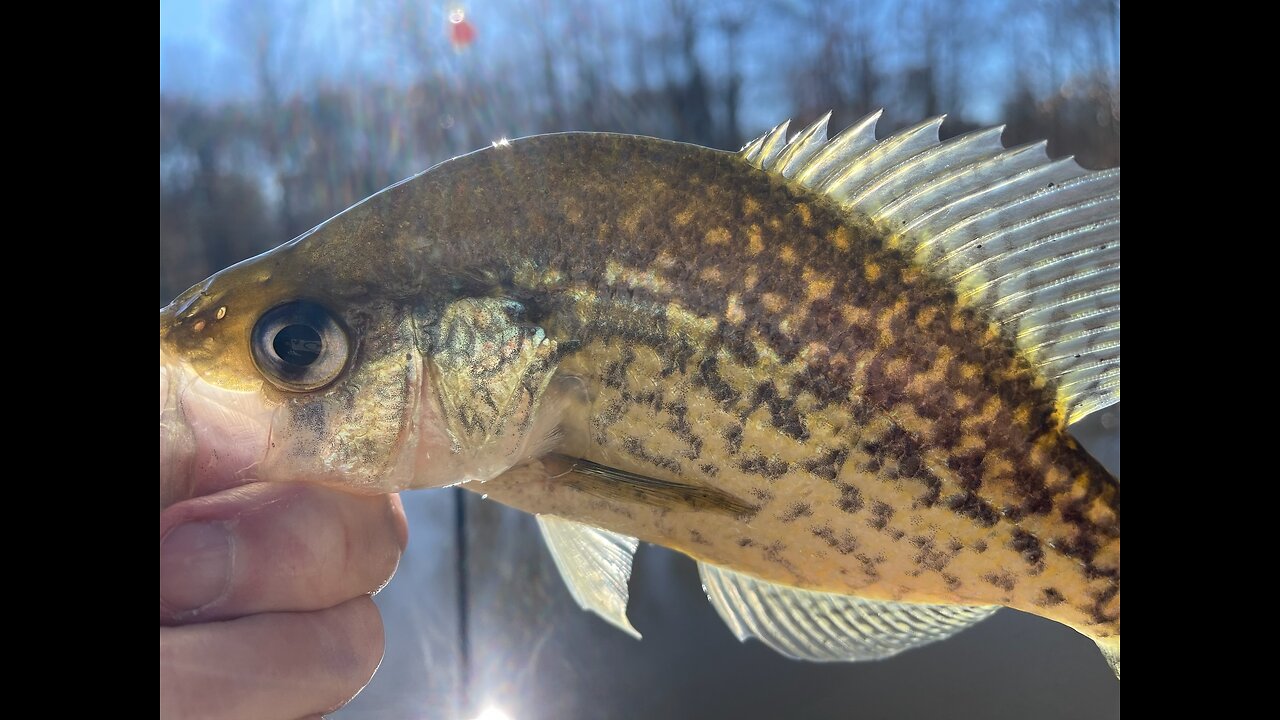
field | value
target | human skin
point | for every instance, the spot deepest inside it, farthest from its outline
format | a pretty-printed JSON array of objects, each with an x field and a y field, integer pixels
[{"x": 265, "y": 606}]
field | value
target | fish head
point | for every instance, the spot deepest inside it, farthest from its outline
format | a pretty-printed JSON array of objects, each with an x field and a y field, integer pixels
[
  {"x": 299, "y": 364},
  {"x": 369, "y": 353}
]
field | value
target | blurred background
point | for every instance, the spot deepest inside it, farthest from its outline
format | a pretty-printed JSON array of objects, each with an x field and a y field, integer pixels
[{"x": 277, "y": 114}]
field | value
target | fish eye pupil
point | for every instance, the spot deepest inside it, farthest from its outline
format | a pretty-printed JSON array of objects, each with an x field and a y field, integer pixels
[{"x": 298, "y": 345}]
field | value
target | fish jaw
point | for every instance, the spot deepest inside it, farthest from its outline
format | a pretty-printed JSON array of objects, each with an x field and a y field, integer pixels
[
  {"x": 177, "y": 446},
  {"x": 210, "y": 437},
  {"x": 381, "y": 432},
  {"x": 385, "y": 432}
]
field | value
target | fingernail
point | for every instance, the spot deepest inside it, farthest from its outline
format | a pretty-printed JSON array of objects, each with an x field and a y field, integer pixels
[{"x": 195, "y": 566}]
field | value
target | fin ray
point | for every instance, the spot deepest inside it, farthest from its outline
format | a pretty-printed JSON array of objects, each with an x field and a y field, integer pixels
[
  {"x": 802, "y": 147},
  {"x": 890, "y": 185},
  {"x": 612, "y": 483},
  {"x": 595, "y": 565},
  {"x": 1110, "y": 648},
  {"x": 895, "y": 149},
  {"x": 845, "y": 147},
  {"x": 1033, "y": 241},
  {"x": 773, "y": 144},
  {"x": 826, "y": 627}
]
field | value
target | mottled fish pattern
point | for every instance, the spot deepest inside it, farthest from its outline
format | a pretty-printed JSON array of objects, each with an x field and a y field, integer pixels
[
  {"x": 684, "y": 346},
  {"x": 737, "y": 332}
]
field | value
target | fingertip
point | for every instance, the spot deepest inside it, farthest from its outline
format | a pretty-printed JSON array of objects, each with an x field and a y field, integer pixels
[
  {"x": 195, "y": 568},
  {"x": 297, "y": 547},
  {"x": 273, "y": 665},
  {"x": 400, "y": 520},
  {"x": 366, "y": 638}
]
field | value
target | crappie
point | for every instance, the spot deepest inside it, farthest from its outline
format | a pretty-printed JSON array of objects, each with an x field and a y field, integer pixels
[{"x": 838, "y": 373}]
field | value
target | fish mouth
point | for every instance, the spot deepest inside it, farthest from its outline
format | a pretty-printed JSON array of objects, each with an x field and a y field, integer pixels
[
  {"x": 177, "y": 446},
  {"x": 210, "y": 438}
]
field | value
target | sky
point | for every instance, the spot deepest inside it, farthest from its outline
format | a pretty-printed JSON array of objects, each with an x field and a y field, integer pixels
[{"x": 336, "y": 41}]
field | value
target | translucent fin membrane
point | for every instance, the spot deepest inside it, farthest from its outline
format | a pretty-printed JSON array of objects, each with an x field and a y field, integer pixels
[
  {"x": 824, "y": 627},
  {"x": 1110, "y": 648},
  {"x": 595, "y": 565}
]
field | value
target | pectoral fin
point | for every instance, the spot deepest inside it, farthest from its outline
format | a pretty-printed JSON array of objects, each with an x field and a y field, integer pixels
[
  {"x": 826, "y": 627},
  {"x": 614, "y": 484},
  {"x": 595, "y": 564}
]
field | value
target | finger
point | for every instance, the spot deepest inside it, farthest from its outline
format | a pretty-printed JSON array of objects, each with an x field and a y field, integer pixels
[
  {"x": 268, "y": 547},
  {"x": 270, "y": 666}
]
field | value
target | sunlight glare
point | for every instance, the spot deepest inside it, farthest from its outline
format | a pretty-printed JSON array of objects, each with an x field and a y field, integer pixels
[{"x": 492, "y": 712}]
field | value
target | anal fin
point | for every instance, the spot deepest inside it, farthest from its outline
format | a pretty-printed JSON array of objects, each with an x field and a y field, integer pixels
[
  {"x": 1110, "y": 648},
  {"x": 826, "y": 627}
]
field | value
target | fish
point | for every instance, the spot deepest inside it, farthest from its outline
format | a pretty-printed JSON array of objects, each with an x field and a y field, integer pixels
[{"x": 840, "y": 374}]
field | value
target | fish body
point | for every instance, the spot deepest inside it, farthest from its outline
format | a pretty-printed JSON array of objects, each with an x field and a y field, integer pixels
[{"x": 741, "y": 356}]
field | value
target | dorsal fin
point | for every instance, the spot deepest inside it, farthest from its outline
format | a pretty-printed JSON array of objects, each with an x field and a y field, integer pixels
[{"x": 1034, "y": 241}]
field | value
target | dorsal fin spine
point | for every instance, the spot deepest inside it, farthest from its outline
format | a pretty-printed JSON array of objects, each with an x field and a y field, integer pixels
[
  {"x": 802, "y": 147},
  {"x": 847, "y": 145},
  {"x": 875, "y": 159}
]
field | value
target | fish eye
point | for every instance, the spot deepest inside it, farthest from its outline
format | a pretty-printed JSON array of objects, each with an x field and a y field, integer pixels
[{"x": 299, "y": 346}]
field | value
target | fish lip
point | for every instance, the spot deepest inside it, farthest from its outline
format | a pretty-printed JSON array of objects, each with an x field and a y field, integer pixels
[
  {"x": 177, "y": 441},
  {"x": 210, "y": 438}
]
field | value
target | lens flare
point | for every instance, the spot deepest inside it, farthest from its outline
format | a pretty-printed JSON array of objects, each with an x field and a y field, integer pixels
[{"x": 493, "y": 712}]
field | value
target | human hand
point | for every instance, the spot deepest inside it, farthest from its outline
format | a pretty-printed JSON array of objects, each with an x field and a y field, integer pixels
[{"x": 264, "y": 599}]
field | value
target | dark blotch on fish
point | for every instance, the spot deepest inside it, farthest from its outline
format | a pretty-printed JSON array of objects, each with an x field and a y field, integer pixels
[
  {"x": 767, "y": 467},
  {"x": 709, "y": 376},
  {"x": 850, "y": 499},
  {"x": 797, "y": 510},
  {"x": 973, "y": 507},
  {"x": 828, "y": 465},
  {"x": 1027, "y": 544},
  {"x": 1004, "y": 580},
  {"x": 635, "y": 448},
  {"x": 733, "y": 436},
  {"x": 881, "y": 513},
  {"x": 1050, "y": 597},
  {"x": 615, "y": 374},
  {"x": 782, "y": 410},
  {"x": 845, "y": 544}
]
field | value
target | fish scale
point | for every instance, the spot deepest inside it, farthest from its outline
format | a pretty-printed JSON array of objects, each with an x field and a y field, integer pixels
[{"x": 721, "y": 360}]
